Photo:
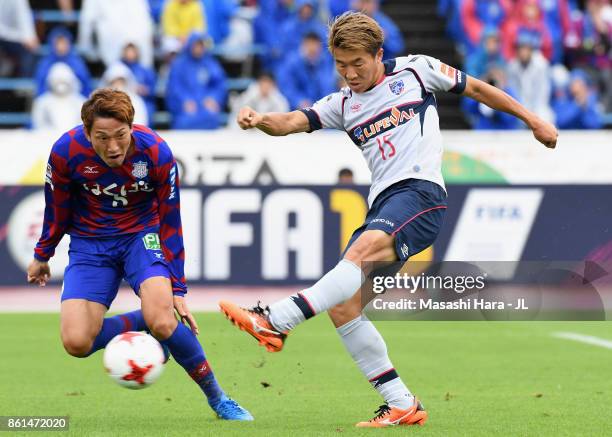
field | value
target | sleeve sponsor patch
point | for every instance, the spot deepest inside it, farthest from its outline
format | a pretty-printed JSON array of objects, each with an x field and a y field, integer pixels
[{"x": 448, "y": 71}]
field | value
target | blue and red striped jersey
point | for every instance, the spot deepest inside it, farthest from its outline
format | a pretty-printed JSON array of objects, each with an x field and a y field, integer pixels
[{"x": 87, "y": 198}]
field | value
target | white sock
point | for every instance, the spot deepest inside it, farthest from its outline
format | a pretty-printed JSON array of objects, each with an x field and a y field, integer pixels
[
  {"x": 367, "y": 347},
  {"x": 338, "y": 285}
]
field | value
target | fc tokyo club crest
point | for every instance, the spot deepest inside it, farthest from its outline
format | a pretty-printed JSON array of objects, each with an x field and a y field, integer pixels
[
  {"x": 397, "y": 87},
  {"x": 140, "y": 170}
]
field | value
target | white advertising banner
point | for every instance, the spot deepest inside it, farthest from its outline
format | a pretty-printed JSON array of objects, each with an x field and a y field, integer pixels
[
  {"x": 230, "y": 157},
  {"x": 494, "y": 225}
]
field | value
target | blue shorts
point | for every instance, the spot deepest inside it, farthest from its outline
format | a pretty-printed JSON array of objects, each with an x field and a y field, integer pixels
[
  {"x": 97, "y": 265},
  {"x": 412, "y": 211}
]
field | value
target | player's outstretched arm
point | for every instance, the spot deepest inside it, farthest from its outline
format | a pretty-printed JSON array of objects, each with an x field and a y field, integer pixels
[
  {"x": 273, "y": 123},
  {"x": 544, "y": 132},
  {"x": 57, "y": 214}
]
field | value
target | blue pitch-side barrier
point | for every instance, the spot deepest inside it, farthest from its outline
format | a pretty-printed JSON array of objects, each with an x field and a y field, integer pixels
[{"x": 288, "y": 235}]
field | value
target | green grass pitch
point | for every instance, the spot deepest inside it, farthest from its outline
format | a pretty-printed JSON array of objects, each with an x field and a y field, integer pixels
[{"x": 476, "y": 378}]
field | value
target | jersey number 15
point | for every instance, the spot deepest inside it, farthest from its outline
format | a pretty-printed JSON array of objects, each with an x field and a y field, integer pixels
[{"x": 384, "y": 145}]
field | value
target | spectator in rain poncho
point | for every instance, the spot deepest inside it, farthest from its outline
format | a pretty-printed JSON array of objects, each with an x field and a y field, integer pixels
[
  {"x": 196, "y": 88},
  {"x": 529, "y": 76},
  {"x": 304, "y": 20},
  {"x": 578, "y": 108},
  {"x": 120, "y": 77},
  {"x": 262, "y": 95},
  {"x": 58, "y": 108},
  {"x": 145, "y": 77},
  {"x": 62, "y": 50},
  {"x": 308, "y": 75},
  {"x": 114, "y": 23}
]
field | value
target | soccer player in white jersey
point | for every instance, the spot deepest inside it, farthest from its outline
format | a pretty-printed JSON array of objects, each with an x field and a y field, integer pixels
[{"x": 389, "y": 112}]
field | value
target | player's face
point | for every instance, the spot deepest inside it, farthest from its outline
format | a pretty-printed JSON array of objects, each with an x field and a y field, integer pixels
[
  {"x": 111, "y": 139},
  {"x": 358, "y": 68}
]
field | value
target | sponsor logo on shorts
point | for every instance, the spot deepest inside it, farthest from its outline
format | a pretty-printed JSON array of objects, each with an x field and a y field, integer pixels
[
  {"x": 385, "y": 221},
  {"x": 405, "y": 250},
  {"x": 151, "y": 241}
]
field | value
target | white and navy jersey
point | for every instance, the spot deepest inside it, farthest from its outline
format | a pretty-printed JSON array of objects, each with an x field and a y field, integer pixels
[{"x": 395, "y": 124}]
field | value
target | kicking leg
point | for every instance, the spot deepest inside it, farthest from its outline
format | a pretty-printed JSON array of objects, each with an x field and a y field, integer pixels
[
  {"x": 336, "y": 286},
  {"x": 158, "y": 310},
  {"x": 270, "y": 326}
]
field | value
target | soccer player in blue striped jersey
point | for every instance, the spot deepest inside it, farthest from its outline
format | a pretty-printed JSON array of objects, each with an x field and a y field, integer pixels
[{"x": 113, "y": 187}]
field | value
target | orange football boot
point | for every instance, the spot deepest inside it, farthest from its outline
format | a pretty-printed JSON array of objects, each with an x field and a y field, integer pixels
[
  {"x": 391, "y": 416},
  {"x": 255, "y": 321}
]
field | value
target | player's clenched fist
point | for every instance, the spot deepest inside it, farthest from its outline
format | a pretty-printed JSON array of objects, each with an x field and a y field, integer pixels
[
  {"x": 248, "y": 118},
  {"x": 546, "y": 133},
  {"x": 39, "y": 272}
]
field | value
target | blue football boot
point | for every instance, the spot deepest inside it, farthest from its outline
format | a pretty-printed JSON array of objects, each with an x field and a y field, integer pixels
[{"x": 228, "y": 409}]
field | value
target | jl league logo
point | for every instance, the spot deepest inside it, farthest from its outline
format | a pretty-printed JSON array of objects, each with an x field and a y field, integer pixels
[
  {"x": 140, "y": 169},
  {"x": 397, "y": 87}
]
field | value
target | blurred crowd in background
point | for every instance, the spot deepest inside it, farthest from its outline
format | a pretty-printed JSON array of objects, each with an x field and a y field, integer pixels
[
  {"x": 554, "y": 56},
  {"x": 190, "y": 64}
]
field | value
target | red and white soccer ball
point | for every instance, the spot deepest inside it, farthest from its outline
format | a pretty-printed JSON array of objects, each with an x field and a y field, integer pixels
[{"x": 134, "y": 360}]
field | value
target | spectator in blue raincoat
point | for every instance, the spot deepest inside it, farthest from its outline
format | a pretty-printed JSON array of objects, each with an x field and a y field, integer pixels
[
  {"x": 480, "y": 115},
  {"x": 218, "y": 15},
  {"x": 271, "y": 17},
  {"x": 450, "y": 10},
  {"x": 61, "y": 49},
  {"x": 145, "y": 77},
  {"x": 558, "y": 18},
  {"x": 487, "y": 55},
  {"x": 578, "y": 107},
  {"x": 476, "y": 15},
  {"x": 308, "y": 75},
  {"x": 196, "y": 91},
  {"x": 304, "y": 20}
]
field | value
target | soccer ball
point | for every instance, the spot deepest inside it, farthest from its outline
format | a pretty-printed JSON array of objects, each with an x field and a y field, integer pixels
[{"x": 134, "y": 360}]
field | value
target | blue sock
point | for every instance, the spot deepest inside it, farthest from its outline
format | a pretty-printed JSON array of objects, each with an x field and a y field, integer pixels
[
  {"x": 116, "y": 325},
  {"x": 188, "y": 352}
]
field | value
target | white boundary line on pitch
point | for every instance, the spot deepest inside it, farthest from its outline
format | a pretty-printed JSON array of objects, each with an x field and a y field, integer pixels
[{"x": 588, "y": 339}]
